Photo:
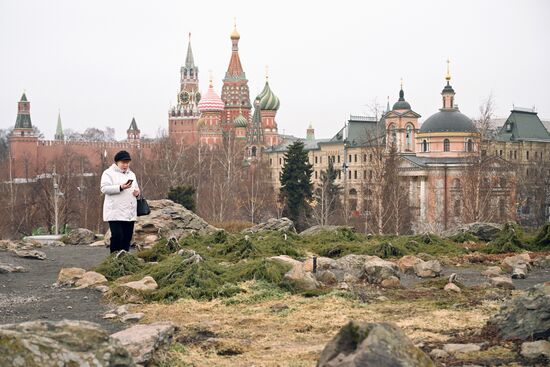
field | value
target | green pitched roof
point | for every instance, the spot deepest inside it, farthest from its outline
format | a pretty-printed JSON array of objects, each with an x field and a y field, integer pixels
[
  {"x": 523, "y": 124},
  {"x": 189, "y": 60},
  {"x": 59, "y": 128},
  {"x": 24, "y": 98},
  {"x": 133, "y": 125}
]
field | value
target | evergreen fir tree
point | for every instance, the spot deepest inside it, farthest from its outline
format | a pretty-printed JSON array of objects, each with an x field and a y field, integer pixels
[
  {"x": 184, "y": 195},
  {"x": 296, "y": 186}
]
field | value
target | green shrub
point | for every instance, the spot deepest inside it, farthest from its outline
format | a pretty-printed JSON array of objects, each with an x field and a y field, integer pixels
[
  {"x": 508, "y": 240},
  {"x": 541, "y": 242},
  {"x": 119, "y": 264},
  {"x": 386, "y": 250}
]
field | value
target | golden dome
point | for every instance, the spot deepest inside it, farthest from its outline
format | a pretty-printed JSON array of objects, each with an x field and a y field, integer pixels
[{"x": 235, "y": 34}]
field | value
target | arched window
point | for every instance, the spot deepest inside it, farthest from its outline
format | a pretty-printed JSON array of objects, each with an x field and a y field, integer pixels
[
  {"x": 353, "y": 192},
  {"x": 253, "y": 151},
  {"x": 408, "y": 136},
  {"x": 424, "y": 145},
  {"x": 446, "y": 145}
]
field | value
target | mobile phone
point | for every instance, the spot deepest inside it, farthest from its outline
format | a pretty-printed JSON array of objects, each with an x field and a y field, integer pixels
[{"x": 129, "y": 182}]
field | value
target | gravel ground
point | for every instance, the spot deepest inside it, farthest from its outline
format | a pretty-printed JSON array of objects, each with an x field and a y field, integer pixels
[{"x": 31, "y": 296}]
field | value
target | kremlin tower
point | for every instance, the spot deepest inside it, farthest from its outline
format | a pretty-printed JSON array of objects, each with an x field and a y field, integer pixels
[
  {"x": 183, "y": 118},
  {"x": 235, "y": 93}
]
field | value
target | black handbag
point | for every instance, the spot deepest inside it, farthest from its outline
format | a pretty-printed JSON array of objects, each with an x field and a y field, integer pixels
[{"x": 142, "y": 206}]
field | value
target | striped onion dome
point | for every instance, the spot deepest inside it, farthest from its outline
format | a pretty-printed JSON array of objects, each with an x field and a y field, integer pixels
[
  {"x": 240, "y": 121},
  {"x": 211, "y": 101},
  {"x": 268, "y": 99}
]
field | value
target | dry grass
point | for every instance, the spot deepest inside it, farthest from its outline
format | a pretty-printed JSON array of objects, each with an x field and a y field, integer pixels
[{"x": 290, "y": 330}]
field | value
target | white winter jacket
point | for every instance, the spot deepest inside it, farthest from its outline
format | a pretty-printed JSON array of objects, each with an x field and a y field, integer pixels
[{"x": 118, "y": 205}]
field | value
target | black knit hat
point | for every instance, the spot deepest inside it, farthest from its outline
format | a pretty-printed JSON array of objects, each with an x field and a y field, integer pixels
[{"x": 122, "y": 156}]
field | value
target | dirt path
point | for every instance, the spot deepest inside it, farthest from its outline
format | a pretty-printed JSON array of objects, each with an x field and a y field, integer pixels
[{"x": 30, "y": 296}]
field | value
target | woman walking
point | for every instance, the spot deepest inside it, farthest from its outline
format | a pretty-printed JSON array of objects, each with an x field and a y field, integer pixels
[{"x": 121, "y": 190}]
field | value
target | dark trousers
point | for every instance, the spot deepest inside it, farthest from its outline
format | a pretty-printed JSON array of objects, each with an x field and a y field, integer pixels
[{"x": 121, "y": 235}]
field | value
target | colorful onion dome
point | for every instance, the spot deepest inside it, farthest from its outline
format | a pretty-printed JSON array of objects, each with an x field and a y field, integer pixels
[
  {"x": 240, "y": 121},
  {"x": 268, "y": 99},
  {"x": 211, "y": 101}
]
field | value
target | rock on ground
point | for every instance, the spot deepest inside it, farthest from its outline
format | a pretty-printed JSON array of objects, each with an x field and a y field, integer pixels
[
  {"x": 312, "y": 231},
  {"x": 90, "y": 278},
  {"x": 427, "y": 269},
  {"x": 533, "y": 350},
  {"x": 69, "y": 276},
  {"x": 144, "y": 285},
  {"x": 62, "y": 343},
  {"x": 525, "y": 316},
  {"x": 167, "y": 219},
  {"x": 298, "y": 277},
  {"x": 142, "y": 341},
  {"x": 406, "y": 263},
  {"x": 502, "y": 282},
  {"x": 372, "y": 344},
  {"x": 10, "y": 268},
  {"x": 461, "y": 348},
  {"x": 273, "y": 224},
  {"x": 31, "y": 254},
  {"x": 483, "y": 231},
  {"x": 79, "y": 236},
  {"x": 451, "y": 287},
  {"x": 492, "y": 271}
]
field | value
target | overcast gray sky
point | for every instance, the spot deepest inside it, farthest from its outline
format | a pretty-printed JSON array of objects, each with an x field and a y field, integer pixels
[{"x": 102, "y": 62}]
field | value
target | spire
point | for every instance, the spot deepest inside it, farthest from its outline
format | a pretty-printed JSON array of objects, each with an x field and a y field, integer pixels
[
  {"x": 59, "y": 129},
  {"x": 448, "y": 76},
  {"x": 133, "y": 125},
  {"x": 189, "y": 61},
  {"x": 401, "y": 92},
  {"x": 388, "y": 105},
  {"x": 235, "y": 69},
  {"x": 448, "y": 92}
]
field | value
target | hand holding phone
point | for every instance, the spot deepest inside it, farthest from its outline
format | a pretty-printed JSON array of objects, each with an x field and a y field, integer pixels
[{"x": 127, "y": 185}]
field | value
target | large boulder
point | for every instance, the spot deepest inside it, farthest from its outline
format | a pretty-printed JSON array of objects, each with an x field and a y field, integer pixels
[
  {"x": 69, "y": 276},
  {"x": 520, "y": 261},
  {"x": 355, "y": 268},
  {"x": 142, "y": 341},
  {"x": 483, "y": 231},
  {"x": 372, "y": 344},
  {"x": 147, "y": 284},
  {"x": 297, "y": 277},
  {"x": 378, "y": 270},
  {"x": 167, "y": 219},
  {"x": 79, "y": 236},
  {"x": 273, "y": 224},
  {"x": 406, "y": 263},
  {"x": 312, "y": 231},
  {"x": 90, "y": 279},
  {"x": 427, "y": 269},
  {"x": 537, "y": 349},
  {"x": 526, "y": 316},
  {"x": 61, "y": 343}
]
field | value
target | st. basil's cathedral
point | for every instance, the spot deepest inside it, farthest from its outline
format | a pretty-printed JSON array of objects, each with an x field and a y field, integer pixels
[{"x": 208, "y": 119}]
